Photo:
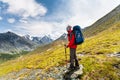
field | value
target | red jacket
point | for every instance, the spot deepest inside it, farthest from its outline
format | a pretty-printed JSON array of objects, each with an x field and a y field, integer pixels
[{"x": 71, "y": 40}]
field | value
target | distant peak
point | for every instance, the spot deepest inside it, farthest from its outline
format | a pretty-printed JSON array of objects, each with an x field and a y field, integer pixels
[
  {"x": 64, "y": 35},
  {"x": 9, "y": 32}
]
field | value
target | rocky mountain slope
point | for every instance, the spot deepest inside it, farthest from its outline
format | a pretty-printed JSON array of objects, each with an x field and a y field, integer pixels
[
  {"x": 13, "y": 43},
  {"x": 42, "y": 40},
  {"x": 62, "y": 37}
]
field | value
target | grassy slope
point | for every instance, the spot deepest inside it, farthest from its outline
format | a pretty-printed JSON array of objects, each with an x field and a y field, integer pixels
[
  {"x": 107, "y": 41},
  {"x": 101, "y": 25},
  {"x": 6, "y": 56},
  {"x": 96, "y": 66}
]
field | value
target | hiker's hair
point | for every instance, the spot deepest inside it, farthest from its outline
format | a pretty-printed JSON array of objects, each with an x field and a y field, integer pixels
[{"x": 68, "y": 27}]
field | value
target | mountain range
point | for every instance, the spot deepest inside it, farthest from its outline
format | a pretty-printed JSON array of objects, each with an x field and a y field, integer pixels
[
  {"x": 13, "y": 43},
  {"x": 42, "y": 40}
]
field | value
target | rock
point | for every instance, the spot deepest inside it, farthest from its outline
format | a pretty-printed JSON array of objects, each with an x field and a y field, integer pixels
[
  {"x": 118, "y": 54},
  {"x": 55, "y": 73},
  {"x": 115, "y": 54},
  {"x": 80, "y": 71},
  {"x": 81, "y": 55},
  {"x": 74, "y": 75}
]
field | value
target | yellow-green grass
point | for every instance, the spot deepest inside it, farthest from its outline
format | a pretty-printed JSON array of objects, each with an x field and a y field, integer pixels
[
  {"x": 105, "y": 42},
  {"x": 54, "y": 57},
  {"x": 97, "y": 67}
]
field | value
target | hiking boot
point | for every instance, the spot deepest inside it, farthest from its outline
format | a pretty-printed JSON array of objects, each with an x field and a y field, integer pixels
[
  {"x": 71, "y": 68},
  {"x": 76, "y": 62},
  {"x": 77, "y": 67}
]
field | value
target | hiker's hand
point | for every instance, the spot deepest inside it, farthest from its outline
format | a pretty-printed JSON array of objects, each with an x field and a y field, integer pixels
[{"x": 66, "y": 46}]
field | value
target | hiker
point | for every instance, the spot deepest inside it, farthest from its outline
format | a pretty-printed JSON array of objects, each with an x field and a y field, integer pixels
[{"x": 73, "y": 58}]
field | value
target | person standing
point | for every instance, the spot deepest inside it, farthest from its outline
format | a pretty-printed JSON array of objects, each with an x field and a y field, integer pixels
[{"x": 72, "y": 46}]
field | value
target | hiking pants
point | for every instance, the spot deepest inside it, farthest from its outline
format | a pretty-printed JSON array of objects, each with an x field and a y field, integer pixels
[{"x": 73, "y": 58}]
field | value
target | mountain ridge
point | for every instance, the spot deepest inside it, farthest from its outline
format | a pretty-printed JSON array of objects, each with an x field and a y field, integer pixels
[
  {"x": 42, "y": 40},
  {"x": 13, "y": 43}
]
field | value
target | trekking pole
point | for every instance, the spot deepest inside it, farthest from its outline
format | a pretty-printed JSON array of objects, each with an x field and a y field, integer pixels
[{"x": 65, "y": 55}]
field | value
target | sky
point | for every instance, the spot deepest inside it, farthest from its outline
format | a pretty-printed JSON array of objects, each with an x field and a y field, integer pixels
[{"x": 50, "y": 17}]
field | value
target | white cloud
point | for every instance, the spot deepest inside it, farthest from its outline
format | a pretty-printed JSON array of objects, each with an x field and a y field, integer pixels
[
  {"x": 84, "y": 12},
  {"x": 11, "y": 20},
  {"x": 40, "y": 28},
  {"x": 73, "y": 12},
  {"x": 23, "y": 21},
  {"x": 36, "y": 28},
  {"x": 90, "y": 11},
  {"x": 25, "y": 8},
  {"x": 1, "y": 18}
]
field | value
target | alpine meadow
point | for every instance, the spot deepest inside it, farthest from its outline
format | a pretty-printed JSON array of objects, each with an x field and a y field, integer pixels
[{"x": 99, "y": 54}]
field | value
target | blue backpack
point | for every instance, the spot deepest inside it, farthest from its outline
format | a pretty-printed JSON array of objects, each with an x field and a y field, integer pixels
[{"x": 78, "y": 35}]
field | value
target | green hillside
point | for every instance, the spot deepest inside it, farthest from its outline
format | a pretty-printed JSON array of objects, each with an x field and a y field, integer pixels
[
  {"x": 107, "y": 41},
  {"x": 96, "y": 63},
  {"x": 104, "y": 23}
]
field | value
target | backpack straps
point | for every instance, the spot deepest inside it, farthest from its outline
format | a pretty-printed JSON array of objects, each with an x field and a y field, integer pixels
[{"x": 70, "y": 35}]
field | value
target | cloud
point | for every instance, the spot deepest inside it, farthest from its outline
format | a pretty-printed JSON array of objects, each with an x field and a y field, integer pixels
[
  {"x": 40, "y": 28},
  {"x": 23, "y": 21},
  {"x": 11, "y": 20},
  {"x": 84, "y": 12},
  {"x": 73, "y": 12},
  {"x": 25, "y": 8},
  {"x": 1, "y": 18},
  {"x": 81, "y": 12},
  {"x": 36, "y": 28}
]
